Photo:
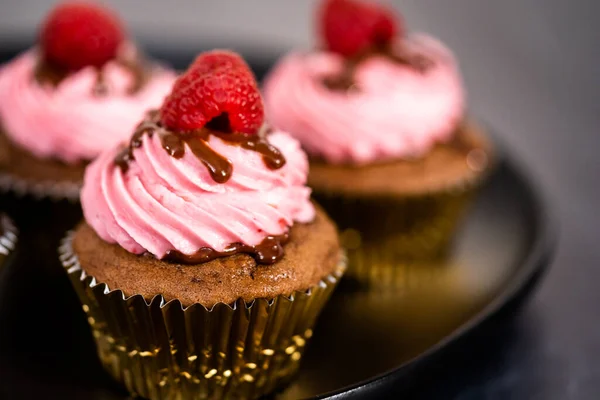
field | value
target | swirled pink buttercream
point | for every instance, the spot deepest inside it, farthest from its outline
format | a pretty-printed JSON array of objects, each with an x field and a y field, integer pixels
[
  {"x": 162, "y": 203},
  {"x": 68, "y": 122},
  {"x": 396, "y": 111}
]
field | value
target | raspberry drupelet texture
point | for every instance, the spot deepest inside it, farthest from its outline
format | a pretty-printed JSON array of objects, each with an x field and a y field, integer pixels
[
  {"x": 218, "y": 84},
  {"x": 350, "y": 27},
  {"x": 80, "y": 34},
  {"x": 216, "y": 59}
]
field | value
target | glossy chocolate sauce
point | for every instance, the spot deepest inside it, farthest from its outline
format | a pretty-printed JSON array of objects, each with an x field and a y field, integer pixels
[
  {"x": 219, "y": 167},
  {"x": 47, "y": 73},
  {"x": 345, "y": 80},
  {"x": 269, "y": 251}
]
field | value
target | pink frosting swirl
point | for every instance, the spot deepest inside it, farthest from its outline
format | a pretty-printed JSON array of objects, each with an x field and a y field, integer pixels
[
  {"x": 68, "y": 122},
  {"x": 398, "y": 112},
  {"x": 163, "y": 203}
]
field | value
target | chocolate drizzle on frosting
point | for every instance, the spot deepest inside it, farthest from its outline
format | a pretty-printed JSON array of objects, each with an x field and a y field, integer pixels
[
  {"x": 46, "y": 73},
  {"x": 219, "y": 167},
  {"x": 345, "y": 80},
  {"x": 269, "y": 251}
]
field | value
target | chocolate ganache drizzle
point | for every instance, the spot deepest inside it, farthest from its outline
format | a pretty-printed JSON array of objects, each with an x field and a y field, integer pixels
[
  {"x": 345, "y": 79},
  {"x": 138, "y": 67},
  {"x": 219, "y": 167},
  {"x": 269, "y": 251}
]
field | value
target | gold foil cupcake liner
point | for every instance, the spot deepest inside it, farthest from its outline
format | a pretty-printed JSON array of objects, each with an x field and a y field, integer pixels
[
  {"x": 161, "y": 349},
  {"x": 40, "y": 190},
  {"x": 398, "y": 242},
  {"x": 8, "y": 239}
]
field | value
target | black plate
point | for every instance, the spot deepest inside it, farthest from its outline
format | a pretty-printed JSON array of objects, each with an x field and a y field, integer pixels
[{"x": 367, "y": 344}]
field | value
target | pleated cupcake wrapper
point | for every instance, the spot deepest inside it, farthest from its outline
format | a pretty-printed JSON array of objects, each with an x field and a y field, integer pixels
[
  {"x": 8, "y": 239},
  {"x": 163, "y": 350},
  {"x": 44, "y": 212},
  {"x": 40, "y": 190},
  {"x": 398, "y": 242}
]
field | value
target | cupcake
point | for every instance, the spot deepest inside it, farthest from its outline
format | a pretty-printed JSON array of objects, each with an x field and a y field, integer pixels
[
  {"x": 202, "y": 262},
  {"x": 8, "y": 240},
  {"x": 82, "y": 89},
  {"x": 381, "y": 113}
]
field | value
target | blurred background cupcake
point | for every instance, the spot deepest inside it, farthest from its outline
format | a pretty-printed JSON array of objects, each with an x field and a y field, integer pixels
[
  {"x": 382, "y": 115},
  {"x": 82, "y": 88},
  {"x": 202, "y": 263}
]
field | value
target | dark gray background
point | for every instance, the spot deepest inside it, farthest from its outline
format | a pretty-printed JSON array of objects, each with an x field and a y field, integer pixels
[{"x": 532, "y": 68}]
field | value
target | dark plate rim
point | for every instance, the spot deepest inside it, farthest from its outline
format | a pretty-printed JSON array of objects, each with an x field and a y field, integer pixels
[{"x": 523, "y": 282}]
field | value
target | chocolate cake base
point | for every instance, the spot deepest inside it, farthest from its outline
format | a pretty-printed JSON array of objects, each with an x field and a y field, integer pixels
[
  {"x": 312, "y": 253},
  {"x": 464, "y": 159},
  {"x": 41, "y": 196},
  {"x": 399, "y": 215},
  {"x": 20, "y": 163}
]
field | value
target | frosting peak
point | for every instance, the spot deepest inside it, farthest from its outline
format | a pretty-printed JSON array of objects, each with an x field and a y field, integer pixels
[
  {"x": 395, "y": 110},
  {"x": 166, "y": 205}
]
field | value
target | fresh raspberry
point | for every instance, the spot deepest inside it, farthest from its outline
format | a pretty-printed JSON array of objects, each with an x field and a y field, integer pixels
[
  {"x": 212, "y": 60},
  {"x": 217, "y": 87},
  {"x": 80, "y": 34},
  {"x": 350, "y": 27}
]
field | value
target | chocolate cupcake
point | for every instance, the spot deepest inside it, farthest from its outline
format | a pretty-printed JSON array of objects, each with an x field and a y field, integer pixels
[
  {"x": 202, "y": 263},
  {"x": 381, "y": 113},
  {"x": 81, "y": 90}
]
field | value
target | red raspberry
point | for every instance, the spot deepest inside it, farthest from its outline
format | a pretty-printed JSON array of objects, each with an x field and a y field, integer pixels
[
  {"x": 350, "y": 27},
  {"x": 79, "y": 34},
  {"x": 212, "y": 60},
  {"x": 218, "y": 84}
]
